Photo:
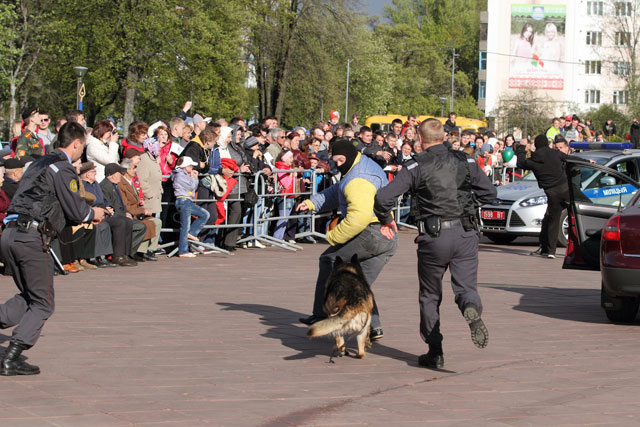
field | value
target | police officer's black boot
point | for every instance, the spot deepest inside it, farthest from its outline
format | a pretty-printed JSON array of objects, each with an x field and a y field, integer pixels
[
  {"x": 12, "y": 365},
  {"x": 479, "y": 332},
  {"x": 434, "y": 359}
]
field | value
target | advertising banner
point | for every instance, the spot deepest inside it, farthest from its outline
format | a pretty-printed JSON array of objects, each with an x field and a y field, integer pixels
[{"x": 537, "y": 46}]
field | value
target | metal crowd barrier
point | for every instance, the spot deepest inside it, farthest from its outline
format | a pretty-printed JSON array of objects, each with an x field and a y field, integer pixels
[{"x": 262, "y": 212}]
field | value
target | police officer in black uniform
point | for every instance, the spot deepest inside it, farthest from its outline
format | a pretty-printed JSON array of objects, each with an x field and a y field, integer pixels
[
  {"x": 446, "y": 187},
  {"x": 47, "y": 199}
]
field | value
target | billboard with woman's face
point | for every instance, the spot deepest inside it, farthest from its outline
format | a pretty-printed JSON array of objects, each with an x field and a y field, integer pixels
[{"x": 537, "y": 46}]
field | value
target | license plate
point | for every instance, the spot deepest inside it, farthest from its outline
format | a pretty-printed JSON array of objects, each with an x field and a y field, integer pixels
[{"x": 493, "y": 214}]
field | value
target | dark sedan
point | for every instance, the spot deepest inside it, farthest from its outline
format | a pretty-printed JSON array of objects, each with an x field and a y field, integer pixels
[{"x": 605, "y": 233}]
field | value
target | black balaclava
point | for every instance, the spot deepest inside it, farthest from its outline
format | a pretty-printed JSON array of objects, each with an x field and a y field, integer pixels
[
  {"x": 541, "y": 141},
  {"x": 344, "y": 148}
]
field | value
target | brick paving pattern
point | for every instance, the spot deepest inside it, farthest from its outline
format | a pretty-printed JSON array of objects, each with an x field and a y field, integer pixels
[{"x": 215, "y": 341}]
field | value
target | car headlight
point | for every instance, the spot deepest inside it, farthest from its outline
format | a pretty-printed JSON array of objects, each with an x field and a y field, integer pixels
[{"x": 534, "y": 201}]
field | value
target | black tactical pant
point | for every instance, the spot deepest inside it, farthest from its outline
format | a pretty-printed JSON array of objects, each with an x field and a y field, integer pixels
[
  {"x": 32, "y": 270},
  {"x": 454, "y": 249},
  {"x": 557, "y": 201}
]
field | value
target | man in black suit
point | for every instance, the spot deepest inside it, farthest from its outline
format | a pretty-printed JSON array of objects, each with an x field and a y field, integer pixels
[{"x": 109, "y": 186}]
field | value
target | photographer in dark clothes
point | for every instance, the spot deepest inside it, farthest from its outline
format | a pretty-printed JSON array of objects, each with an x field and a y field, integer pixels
[{"x": 547, "y": 165}]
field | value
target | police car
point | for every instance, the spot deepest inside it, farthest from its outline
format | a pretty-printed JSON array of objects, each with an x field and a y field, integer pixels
[{"x": 520, "y": 206}]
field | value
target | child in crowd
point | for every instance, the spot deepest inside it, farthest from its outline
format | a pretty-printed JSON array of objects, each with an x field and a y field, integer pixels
[{"x": 185, "y": 183}]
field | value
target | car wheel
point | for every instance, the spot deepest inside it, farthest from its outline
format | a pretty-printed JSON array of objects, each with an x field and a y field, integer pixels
[
  {"x": 626, "y": 311},
  {"x": 563, "y": 233},
  {"x": 501, "y": 239}
]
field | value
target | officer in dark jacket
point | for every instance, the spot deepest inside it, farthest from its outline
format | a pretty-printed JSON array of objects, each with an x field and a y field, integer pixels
[
  {"x": 446, "y": 187},
  {"x": 546, "y": 164},
  {"x": 46, "y": 200},
  {"x": 634, "y": 131}
]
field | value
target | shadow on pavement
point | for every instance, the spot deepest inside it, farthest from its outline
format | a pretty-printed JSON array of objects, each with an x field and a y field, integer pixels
[
  {"x": 505, "y": 249},
  {"x": 283, "y": 325},
  {"x": 580, "y": 305}
]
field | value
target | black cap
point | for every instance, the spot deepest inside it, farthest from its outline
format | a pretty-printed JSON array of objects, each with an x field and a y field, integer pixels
[
  {"x": 86, "y": 167},
  {"x": 28, "y": 112},
  {"x": 250, "y": 142},
  {"x": 112, "y": 168},
  {"x": 13, "y": 163}
]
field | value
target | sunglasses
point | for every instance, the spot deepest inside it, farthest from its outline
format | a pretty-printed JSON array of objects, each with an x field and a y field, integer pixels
[{"x": 46, "y": 120}]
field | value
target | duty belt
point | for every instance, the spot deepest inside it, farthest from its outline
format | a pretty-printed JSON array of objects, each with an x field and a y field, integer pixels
[
  {"x": 450, "y": 223},
  {"x": 25, "y": 226},
  {"x": 444, "y": 224}
]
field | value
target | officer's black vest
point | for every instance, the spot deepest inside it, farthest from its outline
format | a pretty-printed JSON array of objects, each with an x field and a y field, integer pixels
[
  {"x": 36, "y": 196},
  {"x": 445, "y": 186}
]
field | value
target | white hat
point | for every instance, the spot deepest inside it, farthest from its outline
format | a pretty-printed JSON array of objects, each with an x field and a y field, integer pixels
[
  {"x": 197, "y": 119},
  {"x": 186, "y": 161},
  {"x": 153, "y": 128}
]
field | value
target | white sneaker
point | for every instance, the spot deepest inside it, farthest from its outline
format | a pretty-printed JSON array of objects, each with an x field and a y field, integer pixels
[{"x": 257, "y": 244}]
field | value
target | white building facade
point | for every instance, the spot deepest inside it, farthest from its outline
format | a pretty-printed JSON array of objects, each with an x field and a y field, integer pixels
[{"x": 574, "y": 54}]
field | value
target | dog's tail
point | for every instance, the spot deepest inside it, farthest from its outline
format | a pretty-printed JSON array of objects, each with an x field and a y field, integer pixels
[{"x": 326, "y": 326}]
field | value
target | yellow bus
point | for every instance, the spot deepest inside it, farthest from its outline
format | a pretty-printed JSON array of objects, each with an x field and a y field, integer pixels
[{"x": 383, "y": 123}]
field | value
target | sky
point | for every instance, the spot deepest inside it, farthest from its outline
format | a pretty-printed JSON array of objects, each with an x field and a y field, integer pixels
[{"x": 374, "y": 7}]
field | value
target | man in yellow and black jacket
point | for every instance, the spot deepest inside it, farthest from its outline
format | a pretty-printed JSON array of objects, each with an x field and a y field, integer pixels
[{"x": 358, "y": 231}]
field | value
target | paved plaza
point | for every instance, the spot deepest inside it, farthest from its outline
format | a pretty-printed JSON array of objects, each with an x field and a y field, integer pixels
[{"x": 216, "y": 341}]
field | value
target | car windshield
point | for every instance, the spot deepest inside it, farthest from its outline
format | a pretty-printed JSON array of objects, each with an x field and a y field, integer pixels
[{"x": 529, "y": 176}]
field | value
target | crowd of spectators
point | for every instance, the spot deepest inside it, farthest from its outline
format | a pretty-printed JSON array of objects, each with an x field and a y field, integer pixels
[{"x": 189, "y": 174}]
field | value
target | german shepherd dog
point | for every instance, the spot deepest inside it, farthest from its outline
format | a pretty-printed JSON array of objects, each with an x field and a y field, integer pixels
[{"x": 348, "y": 304}]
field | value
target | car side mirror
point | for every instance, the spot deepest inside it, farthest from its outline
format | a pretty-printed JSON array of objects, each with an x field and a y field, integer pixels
[{"x": 607, "y": 181}]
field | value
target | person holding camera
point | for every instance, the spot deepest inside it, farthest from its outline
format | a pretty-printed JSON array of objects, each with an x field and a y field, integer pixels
[
  {"x": 447, "y": 186},
  {"x": 46, "y": 200}
]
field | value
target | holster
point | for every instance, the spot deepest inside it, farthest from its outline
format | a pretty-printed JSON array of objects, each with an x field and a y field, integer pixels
[
  {"x": 430, "y": 226},
  {"x": 469, "y": 223},
  {"x": 47, "y": 234}
]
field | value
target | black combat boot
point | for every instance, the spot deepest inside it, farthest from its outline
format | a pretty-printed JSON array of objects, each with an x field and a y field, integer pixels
[
  {"x": 434, "y": 359},
  {"x": 12, "y": 365},
  {"x": 479, "y": 332}
]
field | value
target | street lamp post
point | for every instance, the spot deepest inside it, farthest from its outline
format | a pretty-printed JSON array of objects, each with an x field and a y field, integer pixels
[
  {"x": 346, "y": 102},
  {"x": 80, "y": 91},
  {"x": 443, "y": 101},
  {"x": 526, "y": 117}
]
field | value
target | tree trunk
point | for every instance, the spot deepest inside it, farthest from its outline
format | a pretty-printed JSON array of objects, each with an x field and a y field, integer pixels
[
  {"x": 130, "y": 98},
  {"x": 284, "y": 71},
  {"x": 12, "y": 106}
]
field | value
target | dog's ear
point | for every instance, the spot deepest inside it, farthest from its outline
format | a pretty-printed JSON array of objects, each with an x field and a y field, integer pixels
[
  {"x": 354, "y": 259},
  {"x": 338, "y": 261}
]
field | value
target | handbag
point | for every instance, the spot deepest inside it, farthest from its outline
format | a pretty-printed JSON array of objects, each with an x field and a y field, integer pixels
[
  {"x": 216, "y": 183},
  {"x": 251, "y": 197}
]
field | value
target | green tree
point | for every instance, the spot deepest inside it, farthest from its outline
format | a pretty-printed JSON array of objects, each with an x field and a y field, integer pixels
[
  {"x": 22, "y": 24},
  {"x": 421, "y": 35}
]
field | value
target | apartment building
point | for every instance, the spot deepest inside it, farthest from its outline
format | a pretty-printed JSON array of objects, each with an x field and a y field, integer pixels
[{"x": 574, "y": 54}]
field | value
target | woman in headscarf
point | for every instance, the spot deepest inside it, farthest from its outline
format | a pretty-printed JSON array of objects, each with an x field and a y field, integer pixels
[
  {"x": 150, "y": 176},
  {"x": 227, "y": 159}
]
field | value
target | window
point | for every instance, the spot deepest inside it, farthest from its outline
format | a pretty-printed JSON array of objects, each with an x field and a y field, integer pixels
[
  {"x": 482, "y": 89},
  {"x": 592, "y": 96},
  {"x": 482, "y": 63},
  {"x": 594, "y": 7},
  {"x": 623, "y": 8},
  {"x": 594, "y": 38},
  {"x": 621, "y": 68},
  {"x": 593, "y": 67},
  {"x": 622, "y": 38},
  {"x": 483, "y": 32},
  {"x": 620, "y": 97}
]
